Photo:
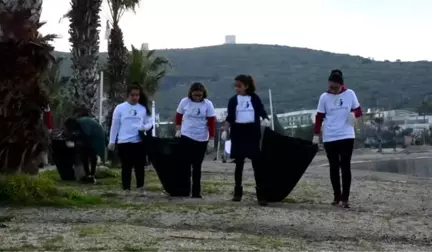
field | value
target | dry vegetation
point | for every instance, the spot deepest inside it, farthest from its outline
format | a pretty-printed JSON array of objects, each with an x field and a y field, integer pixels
[{"x": 390, "y": 213}]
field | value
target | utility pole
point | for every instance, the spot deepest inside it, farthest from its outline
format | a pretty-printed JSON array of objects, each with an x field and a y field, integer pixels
[{"x": 271, "y": 109}]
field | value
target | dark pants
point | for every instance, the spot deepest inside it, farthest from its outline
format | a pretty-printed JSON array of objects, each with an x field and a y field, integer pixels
[
  {"x": 339, "y": 156},
  {"x": 238, "y": 174},
  {"x": 245, "y": 143},
  {"x": 193, "y": 156},
  {"x": 132, "y": 156},
  {"x": 89, "y": 158}
]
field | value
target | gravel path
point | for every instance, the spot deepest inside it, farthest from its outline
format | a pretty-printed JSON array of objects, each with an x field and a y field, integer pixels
[{"x": 391, "y": 212}]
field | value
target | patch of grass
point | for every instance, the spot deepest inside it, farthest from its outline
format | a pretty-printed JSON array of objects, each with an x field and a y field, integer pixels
[
  {"x": 263, "y": 242},
  {"x": 24, "y": 247},
  {"x": 290, "y": 200},
  {"x": 86, "y": 231},
  {"x": 53, "y": 244},
  {"x": 147, "y": 246},
  {"x": 184, "y": 208},
  {"x": 103, "y": 173},
  {"x": 132, "y": 249},
  {"x": 6, "y": 218},
  {"x": 305, "y": 192},
  {"x": 25, "y": 190},
  {"x": 49, "y": 248}
]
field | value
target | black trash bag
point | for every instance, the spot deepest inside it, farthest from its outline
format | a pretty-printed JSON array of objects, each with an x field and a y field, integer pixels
[
  {"x": 63, "y": 157},
  {"x": 165, "y": 154},
  {"x": 283, "y": 162}
]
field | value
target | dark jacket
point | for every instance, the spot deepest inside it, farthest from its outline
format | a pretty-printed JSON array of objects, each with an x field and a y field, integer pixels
[
  {"x": 245, "y": 138},
  {"x": 257, "y": 105},
  {"x": 94, "y": 134}
]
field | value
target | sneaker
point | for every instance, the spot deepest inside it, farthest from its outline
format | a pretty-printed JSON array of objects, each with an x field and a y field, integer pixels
[
  {"x": 238, "y": 193},
  {"x": 237, "y": 198},
  {"x": 91, "y": 179},
  {"x": 142, "y": 192},
  {"x": 345, "y": 204},
  {"x": 336, "y": 201}
]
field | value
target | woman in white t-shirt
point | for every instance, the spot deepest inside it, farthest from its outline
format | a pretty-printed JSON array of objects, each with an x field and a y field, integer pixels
[
  {"x": 338, "y": 109},
  {"x": 195, "y": 125},
  {"x": 245, "y": 111},
  {"x": 129, "y": 118}
]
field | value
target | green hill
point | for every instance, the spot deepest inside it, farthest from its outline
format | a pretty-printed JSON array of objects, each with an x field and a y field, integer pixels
[{"x": 297, "y": 76}]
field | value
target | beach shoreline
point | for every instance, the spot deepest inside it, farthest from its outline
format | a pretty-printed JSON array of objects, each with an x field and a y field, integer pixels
[{"x": 390, "y": 212}]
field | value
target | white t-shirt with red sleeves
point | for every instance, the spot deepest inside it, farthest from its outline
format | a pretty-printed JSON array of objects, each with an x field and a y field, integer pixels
[
  {"x": 337, "y": 109},
  {"x": 195, "y": 114}
]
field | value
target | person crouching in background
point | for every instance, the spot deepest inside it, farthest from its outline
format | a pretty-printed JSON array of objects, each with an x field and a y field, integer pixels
[
  {"x": 338, "y": 108},
  {"x": 196, "y": 126},
  {"x": 93, "y": 142},
  {"x": 245, "y": 109},
  {"x": 129, "y": 118},
  {"x": 48, "y": 122}
]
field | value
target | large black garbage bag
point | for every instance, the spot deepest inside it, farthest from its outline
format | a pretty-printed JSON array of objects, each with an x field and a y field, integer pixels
[
  {"x": 165, "y": 154},
  {"x": 284, "y": 160},
  {"x": 63, "y": 157}
]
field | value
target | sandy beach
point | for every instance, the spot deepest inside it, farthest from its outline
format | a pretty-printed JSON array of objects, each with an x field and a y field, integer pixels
[{"x": 390, "y": 212}]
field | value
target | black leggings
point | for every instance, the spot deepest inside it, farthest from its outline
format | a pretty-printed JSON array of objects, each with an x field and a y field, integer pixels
[
  {"x": 89, "y": 158},
  {"x": 132, "y": 156},
  {"x": 193, "y": 156},
  {"x": 339, "y": 156},
  {"x": 238, "y": 174}
]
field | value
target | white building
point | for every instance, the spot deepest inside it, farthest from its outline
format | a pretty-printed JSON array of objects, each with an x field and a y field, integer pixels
[
  {"x": 221, "y": 114},
  {"x": 145, "y": 46},
  {"x": 294, "y": 119},
  {"x": 406, "y": 119},
  {"x": 230, "y": 39}
]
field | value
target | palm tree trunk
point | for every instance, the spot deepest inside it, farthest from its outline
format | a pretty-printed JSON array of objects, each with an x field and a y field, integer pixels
[
  {"x": 25, "y": 57},
  {"x": 117, "y": 66},
  {"x": 84, "y": 37}
]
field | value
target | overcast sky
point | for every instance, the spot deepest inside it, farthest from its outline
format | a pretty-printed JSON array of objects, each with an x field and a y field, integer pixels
[{"x": 381, "y": 29}]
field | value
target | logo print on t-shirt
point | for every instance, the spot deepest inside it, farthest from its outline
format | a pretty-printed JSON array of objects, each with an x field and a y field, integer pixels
[
  {"x": 196, "y": 112},
  {"x": 338, "y": 102},
  {"x": 133, "y": 112},
  {"x": 244, "y": 104}
]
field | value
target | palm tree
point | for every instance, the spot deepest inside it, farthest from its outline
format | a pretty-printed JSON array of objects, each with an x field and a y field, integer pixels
[
  {"x": 147, "y": 69},
  {"x": 56, "y": 86},
  {"x": 117, "y": 54},
  {"x": 25, "y": 56},
  {"x": 84, "y": 37}
]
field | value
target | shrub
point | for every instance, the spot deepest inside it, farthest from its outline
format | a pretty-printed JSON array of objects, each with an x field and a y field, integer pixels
[{"x": 26, "y": 190}]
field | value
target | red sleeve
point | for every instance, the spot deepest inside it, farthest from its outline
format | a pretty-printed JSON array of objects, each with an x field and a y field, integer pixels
[
  {"x": 357, "y": 112},
  {"x": 48, "y": 119},
  {"x": 211, "y": 123},
  {"x": 319, "y": 118},
  {"x": 178, "y": 119}
]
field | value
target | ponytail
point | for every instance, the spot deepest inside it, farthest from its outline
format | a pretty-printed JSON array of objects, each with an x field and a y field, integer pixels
[{"x": 248, "y": 81}]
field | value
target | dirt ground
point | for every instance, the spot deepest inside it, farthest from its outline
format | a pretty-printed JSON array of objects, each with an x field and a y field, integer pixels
[{"x": 390, "y": 212}]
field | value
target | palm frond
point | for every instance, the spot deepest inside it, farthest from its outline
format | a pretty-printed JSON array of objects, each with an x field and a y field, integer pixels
[
  {"x": 147, "y": 69},
  {"x": 131, "y": 5}
]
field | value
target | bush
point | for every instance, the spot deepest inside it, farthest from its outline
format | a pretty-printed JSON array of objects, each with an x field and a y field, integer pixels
[{"x": 26, "y": 190}]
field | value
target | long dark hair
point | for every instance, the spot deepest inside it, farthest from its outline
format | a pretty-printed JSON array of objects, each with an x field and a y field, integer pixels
[
  {"x": 197, "y": 86},
  {"x": 336, "y": 76},
  {"x": 248, "y": 81},
  {"x": 143, "y": 100}
]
